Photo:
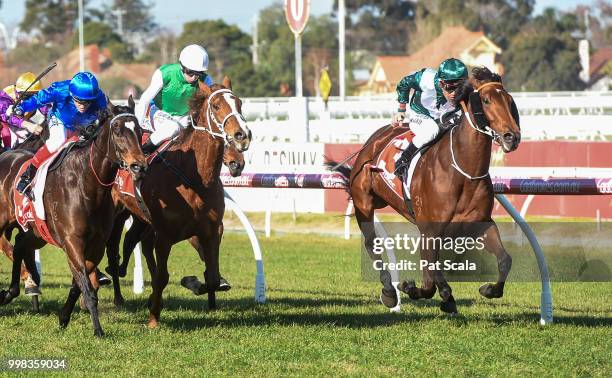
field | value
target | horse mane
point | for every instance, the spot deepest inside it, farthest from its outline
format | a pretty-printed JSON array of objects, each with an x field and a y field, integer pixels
[{"x": 480, "y": 75}]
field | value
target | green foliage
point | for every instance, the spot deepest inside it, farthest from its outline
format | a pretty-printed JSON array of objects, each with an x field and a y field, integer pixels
[
  {"x": 34, "y": 57},
  {"x": 115, "y": 87},
  {"x": 96, "y": 33},
  {"x": 137, "y": 16},
  {"x": 544, "y": 57},
  {"x": 55, "y": 19}
]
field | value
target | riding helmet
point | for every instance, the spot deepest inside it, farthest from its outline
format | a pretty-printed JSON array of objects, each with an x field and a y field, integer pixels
[
  {"x": 84, "y": 86},
  {"x": 452, "y": 69},
  {"x": 195, "y": 58},
  {"x": 24, "y": 82}
]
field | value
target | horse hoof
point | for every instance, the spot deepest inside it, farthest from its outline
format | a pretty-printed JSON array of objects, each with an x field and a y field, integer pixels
[
  {"x": 389, "y": 301},
  {"x": 192, "y": 283},
  {"x": 32, "y": 291},
  {"x": 122, "y": 271},
  {"x": 103, "y": 279},
  {"x": 109, "y": 270},
  {"x": 152, "y": 323},
  {"x": 450, "y": 307},
  {"x": 98, "y": 332},
  {"x": 224, "y": 285},
  {"x": 490, "y": 291},
  {"x": 63, "y": 321},
  {"x": 409, "y": 287},
  {"x": 5, "y": 297}
]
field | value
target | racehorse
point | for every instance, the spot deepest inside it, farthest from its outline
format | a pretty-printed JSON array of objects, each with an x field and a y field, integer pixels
[
  {"x": 450, "y": 184},
  {"x": 184, "y": 195},
  {"x": 78, "y": 203},
  {"x": 140, "y": 230}
]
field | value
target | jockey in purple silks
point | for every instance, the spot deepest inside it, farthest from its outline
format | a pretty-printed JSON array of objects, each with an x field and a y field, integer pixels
[{"x": 21, "y": 126}]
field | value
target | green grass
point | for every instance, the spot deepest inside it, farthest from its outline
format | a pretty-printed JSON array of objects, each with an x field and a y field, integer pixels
[{"x": 321, "y": 319}]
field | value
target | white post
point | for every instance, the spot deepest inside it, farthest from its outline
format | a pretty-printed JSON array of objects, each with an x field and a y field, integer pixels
[
  {"x": 38, "y": 265},
  {"x": 138, "y": 287},
  {"x": 347, "y": 220},
  {"x": 546, "y": 312},
  {"x": 260, "y": 279},
  {"x": 81, "y": 40},
  {"x": 298, "y": 65},
  {"x": 267, "y": 225},
  {"x": 341, "y": 39}
]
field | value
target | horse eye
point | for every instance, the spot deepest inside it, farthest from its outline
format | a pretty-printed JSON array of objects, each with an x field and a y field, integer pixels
[
  {"x": 485, "y": 101},
  {"x": 215, "y": 106}
]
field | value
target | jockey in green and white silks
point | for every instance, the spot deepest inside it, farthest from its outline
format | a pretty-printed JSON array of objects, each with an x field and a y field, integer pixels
[
  {"x": 433, "y": 96},
  {"x": 164, "y": 105}
]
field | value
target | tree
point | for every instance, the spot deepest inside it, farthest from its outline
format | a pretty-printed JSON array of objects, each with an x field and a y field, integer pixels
[
  {"x": 544, "y": 57},
  {"x": 55, "y": 19},
  {"x": 137, "y": 17}
]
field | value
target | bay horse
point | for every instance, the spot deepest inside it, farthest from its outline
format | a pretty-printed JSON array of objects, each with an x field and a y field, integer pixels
[
  {"x": 450, "y": 184},
  {"x": 78, "y": 203},
  {"x": 141, "y": 230},
  {"x": 184, "y": 195}
]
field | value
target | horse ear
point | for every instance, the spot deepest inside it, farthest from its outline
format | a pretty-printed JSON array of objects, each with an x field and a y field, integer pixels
[
  {"x": 204, "y": 88},
  {"x": 227, "y": 83},
  {"x": 131, "y": 103}
]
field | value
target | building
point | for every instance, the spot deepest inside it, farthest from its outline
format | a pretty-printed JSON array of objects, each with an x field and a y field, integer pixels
[
  {"x": 600, "y": 68},
  {"x": 473, "y": 48}
]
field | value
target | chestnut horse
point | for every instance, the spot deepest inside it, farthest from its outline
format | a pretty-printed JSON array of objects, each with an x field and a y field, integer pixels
[
  {"x": 184, "y": 194},
  {"x": 140, "y": 230},
  {"x": 78, "y": 203},
  {"x": 450, "y": 184}
]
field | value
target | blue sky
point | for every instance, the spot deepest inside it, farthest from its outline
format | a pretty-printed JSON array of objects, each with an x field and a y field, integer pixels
[{"x": 174, "y": 13}]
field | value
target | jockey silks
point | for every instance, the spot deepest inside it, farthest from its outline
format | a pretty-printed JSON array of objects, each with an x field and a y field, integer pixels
[
  {"x": 174, "y": 96},
  {"x": 428, "y": 98},
  {"x": 63, "y": 108}
]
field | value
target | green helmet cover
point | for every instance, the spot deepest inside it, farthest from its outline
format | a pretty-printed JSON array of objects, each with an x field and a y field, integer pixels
[{"x": 452, "y": 69}]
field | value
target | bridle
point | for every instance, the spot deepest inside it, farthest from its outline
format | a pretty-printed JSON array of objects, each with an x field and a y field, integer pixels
[
  {"x": 481, "y": 124},
  {"x": 211, "y": 118},
  {"x": 120, "y": 162}
]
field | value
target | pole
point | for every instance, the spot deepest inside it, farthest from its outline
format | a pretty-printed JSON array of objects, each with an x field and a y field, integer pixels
[
  {"x": 298, "y": 65},
  {"x": 81, "y": 43},
  {"x": 341, "y": 47}
]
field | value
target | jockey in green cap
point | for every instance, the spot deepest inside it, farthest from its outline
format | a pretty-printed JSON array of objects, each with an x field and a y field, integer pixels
[{"x": 433, "y": 96}]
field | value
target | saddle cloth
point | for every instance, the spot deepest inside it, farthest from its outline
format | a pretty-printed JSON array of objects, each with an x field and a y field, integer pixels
[
  {"x": 387, "y": 159},
  {"x": 27, "y": 211},
  {"x": 123, "y": 181}
]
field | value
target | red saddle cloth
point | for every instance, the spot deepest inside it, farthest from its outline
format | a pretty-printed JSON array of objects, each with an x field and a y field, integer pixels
[
  {"x": 385, "y": 164},
  {"x": 25, "y": 213},
  {"x": 123, "y": 181}
]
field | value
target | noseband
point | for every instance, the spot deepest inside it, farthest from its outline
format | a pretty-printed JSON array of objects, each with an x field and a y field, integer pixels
[{"x": 211, "y": 118}]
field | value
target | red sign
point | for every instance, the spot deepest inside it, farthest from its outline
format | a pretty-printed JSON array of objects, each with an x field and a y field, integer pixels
[{"x": 297, "y": 12}]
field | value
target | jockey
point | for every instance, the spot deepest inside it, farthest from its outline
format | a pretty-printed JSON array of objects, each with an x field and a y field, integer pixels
[
  {"x": 433, "y": 97},
  {"x": 164, "y": 105},
  {"x": 8, "y": 96},
  {"x": 75, "y": 104}
]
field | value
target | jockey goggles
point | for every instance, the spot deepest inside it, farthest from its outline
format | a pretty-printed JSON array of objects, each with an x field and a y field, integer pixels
[
  {"x": 83, "y": 102},
  {"x": 450, "y": 85},
  {"x": 191, "y": 73}
]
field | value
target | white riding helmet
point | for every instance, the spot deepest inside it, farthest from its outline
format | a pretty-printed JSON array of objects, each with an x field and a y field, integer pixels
[{"x": 195, "y": 58}]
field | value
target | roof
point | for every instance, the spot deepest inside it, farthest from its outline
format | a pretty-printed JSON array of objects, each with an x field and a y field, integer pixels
[
  {"x": 599, "y": 60},
  {"x": 452, "y": 42}
]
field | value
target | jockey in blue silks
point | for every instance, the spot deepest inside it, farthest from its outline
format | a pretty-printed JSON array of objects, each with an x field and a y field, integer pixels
[{"x": 75, "y": 104}]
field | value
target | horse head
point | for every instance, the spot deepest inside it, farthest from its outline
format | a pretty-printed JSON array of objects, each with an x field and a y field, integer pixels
[
  {"x": 491, "y": 109},
  {"x": 233, "y": 159},
  {"x": 222, "y": 112},
  {"x": 125, "y": 136}
]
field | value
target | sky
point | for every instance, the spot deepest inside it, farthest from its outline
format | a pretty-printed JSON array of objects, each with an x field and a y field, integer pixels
[{"x": 174, "y": 13}]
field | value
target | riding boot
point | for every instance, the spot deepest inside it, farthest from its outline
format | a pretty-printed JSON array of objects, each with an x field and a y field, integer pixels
[
  {"x": 403, "y": 163},
  {"x": 149, "y": 147},
  {"x": 26, "y": 180}
]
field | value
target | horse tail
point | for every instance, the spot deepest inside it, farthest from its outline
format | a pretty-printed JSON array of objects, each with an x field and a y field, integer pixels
[{"x": 342, "y": 168}]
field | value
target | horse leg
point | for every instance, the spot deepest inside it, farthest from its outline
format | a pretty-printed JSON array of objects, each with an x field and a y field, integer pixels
[
  {"x": 112, "y": 253},
  {"x": 81, "y": 271},
  {"x": 208, "y": 249},
  {"x": 365, "y": 220},
  {"x": 160, "y": 280},
  {"x": 66, "y": 311},
  {"x": 7, "y": 248},
  {"x": 19, "y": 251},
  {"x": 493, "y": 244},
  {"x": 132, "y": 237}
]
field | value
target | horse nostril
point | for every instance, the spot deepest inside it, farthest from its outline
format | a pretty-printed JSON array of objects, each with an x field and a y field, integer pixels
[
  {"x": 233, "y": 165},
  {"x": 509, "y": 137},
  {"x": 136, "y": 168},
  {"x": 239, "y": 136}
]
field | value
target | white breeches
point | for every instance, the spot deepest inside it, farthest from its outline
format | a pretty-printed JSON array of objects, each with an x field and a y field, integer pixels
[
  {"x": 57, "y": 134},
  {"x": 167, "y": 126},
  {"x": 423, "y": 127}
]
